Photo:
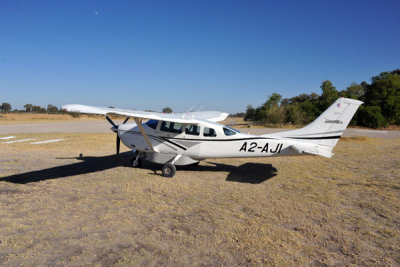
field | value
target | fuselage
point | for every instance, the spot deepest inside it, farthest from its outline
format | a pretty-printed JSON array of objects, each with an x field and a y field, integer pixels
[{"x": 200, "y": 141}]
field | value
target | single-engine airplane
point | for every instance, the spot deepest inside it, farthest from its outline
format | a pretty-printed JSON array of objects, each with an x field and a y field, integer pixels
[{"x": 188, "y": 138}]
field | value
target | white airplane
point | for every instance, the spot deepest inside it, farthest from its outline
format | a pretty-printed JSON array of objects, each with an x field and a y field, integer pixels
[{"x": 187, "y": 138}]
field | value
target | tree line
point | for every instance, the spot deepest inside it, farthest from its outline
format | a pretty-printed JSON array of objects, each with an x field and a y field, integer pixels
[
  {"x": 381, "y": 105},
  {"x": 6, "y": 107}
]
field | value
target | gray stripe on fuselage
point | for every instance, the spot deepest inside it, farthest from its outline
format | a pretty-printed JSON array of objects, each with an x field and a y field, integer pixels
[
  {"x": 188, "y": 143},
  {"x": 158, "y": 139},
  {"x": 340, "y": 131}
]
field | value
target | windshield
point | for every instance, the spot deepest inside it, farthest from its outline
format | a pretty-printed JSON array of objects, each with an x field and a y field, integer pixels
[{"x": 152, "y": 124}]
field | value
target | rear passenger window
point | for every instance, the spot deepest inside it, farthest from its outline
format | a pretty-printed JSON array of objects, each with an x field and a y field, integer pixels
[
  {"x": 172, "y": 127},
  {"x": 209, "y": 132},
  {"x": 228, "y": 132},
  {"x": 192, "y": 129}
]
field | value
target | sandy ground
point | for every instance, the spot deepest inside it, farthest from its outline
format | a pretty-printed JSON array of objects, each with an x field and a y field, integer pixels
[
  {"x": 102, "y": 126},
  {"x": 59, "y": 209}
]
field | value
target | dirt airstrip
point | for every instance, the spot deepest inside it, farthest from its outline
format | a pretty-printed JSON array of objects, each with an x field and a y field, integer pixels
[{"x": 57, "y": 208}]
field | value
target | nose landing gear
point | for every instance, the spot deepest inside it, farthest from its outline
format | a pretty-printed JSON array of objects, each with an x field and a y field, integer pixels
[
  {"x": 168, "y": 169},
  {"x": 136, "y": 161}
]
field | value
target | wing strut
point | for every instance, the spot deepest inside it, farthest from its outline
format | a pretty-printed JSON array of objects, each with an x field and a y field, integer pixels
[{"x": 146, "y": 137}]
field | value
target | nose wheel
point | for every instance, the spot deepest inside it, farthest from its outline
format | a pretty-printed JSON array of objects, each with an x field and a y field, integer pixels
[
  {"x": 168, "y": 170},
  {"x": 136, "y": 161}
]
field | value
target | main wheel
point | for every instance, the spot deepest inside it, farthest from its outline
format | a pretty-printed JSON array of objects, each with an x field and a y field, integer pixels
[{"x": 168, "y": 170}]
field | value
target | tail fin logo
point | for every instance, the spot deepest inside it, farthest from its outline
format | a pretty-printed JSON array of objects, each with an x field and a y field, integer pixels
[{"x": 334, "y": 121}]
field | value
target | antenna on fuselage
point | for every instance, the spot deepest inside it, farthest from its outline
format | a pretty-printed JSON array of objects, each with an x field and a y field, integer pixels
[
  {"x": 187, "y": 112},
  {"x": 200, "y": 108}
]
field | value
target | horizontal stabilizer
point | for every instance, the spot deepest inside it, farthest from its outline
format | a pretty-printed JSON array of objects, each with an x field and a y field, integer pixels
[{"x": 313, "y": 149}]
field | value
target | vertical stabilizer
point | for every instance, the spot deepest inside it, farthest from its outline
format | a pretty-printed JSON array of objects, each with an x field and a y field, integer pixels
[{"x": 328, "y": 127}]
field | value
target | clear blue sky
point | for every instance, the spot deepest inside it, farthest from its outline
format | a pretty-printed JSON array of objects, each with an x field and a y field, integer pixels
[{"x": 221, "y": 55}]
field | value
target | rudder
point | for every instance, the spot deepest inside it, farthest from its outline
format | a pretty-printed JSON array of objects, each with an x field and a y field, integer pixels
[{"x": 328, "y": 127}]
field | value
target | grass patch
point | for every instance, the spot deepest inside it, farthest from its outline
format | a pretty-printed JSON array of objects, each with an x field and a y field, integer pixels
[
  {"x": 355, "y": 139},
  {"x": 96, "y": 210},
  {"x": 16, "y": 118}
]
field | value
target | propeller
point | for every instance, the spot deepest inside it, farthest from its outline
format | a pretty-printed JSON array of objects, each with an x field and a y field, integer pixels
[
  {"x": 118, "y": 143},
  {"x": 110, "y": 121},
  {"x": 115, "y": 129}
]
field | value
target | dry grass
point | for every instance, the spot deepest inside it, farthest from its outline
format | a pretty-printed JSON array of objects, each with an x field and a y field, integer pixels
[
  {"x": 15, "y": 118},
  {"x": 56, "y": 209}
]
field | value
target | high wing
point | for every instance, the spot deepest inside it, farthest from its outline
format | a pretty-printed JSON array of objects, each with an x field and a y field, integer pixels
[{"x": 190, "y": 117}]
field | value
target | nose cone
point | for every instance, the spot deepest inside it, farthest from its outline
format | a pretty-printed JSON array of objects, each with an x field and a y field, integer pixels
[
  {"x": 126, "y": 127},
  {"x": 114, "y": 129}
]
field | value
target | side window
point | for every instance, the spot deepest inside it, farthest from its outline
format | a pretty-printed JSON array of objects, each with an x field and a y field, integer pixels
[
  {"x": 192, "y": 129},
  {"x": 172, "y": 127},
  {"x": 177, "y": 127},
  {"x": 165, "y": 126},
  {"x": 152, "y": 124},
  {"x": 209, "y": 132},
  {"x": 228, "y": 132}
]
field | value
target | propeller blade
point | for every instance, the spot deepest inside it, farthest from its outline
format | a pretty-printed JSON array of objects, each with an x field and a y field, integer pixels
[
  {"x": 110, "y": 121},
  {"x": 125, "y": 120},
  {"x": 118, "y": 143}
]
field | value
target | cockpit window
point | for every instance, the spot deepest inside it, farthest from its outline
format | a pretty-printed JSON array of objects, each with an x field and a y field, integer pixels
[
  {"x": 152, "y": 124},
  {"x": 172, "y": 127},
  {"x": 229, "y": 131},
  {"x": 192, "y": 129},
  {"x": 209, "y": 132}
]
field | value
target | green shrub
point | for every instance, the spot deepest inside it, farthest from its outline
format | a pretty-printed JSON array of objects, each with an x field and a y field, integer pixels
[
  {"x": 75, "y": 115},
  {"x": 371, "y": 116}
]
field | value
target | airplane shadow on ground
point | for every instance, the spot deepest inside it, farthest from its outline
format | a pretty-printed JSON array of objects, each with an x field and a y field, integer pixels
[
  {"x": 253, "y": 173},
  {"x": 247, "y": 173}
]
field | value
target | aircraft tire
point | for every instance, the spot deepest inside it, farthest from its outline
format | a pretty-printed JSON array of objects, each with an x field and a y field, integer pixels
[{"x": 168, "y": 170}]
